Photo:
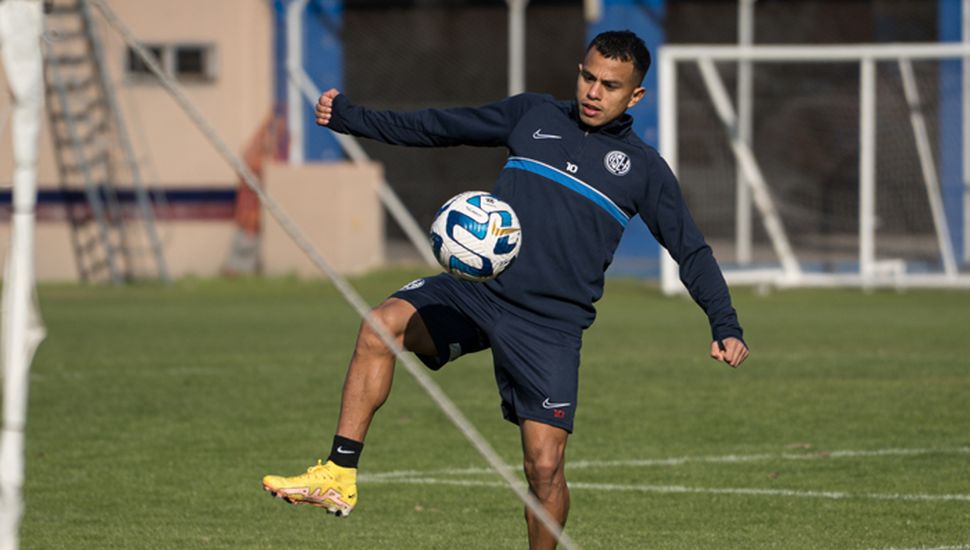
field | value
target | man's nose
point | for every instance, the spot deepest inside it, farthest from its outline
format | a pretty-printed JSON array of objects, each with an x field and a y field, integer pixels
[{"x": 594, "y": 91}]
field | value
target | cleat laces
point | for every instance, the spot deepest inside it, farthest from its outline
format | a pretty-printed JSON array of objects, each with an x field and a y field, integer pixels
[{"x": 318, "y": 471}]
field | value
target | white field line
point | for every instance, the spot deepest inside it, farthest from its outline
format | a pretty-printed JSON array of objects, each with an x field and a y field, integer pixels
[
  {"x": 678, "y": 489},
  {"x": 228, "y": 369},
  {"x": 679, "y": 461}
]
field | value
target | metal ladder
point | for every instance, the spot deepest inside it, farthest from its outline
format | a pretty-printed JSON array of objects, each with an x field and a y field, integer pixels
[{"x": 112, "y": 228}]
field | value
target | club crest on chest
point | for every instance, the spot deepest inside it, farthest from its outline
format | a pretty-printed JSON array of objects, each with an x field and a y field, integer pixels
[{"x": 617, "y": 163}]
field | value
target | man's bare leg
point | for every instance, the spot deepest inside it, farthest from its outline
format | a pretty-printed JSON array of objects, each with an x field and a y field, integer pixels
[
  {"x": 333, "y": 485},
  {"x": 371, "y": 370},
  {"x": 544, "y": 454}
]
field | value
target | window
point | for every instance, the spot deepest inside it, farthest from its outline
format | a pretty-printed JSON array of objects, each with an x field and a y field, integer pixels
[
  {"x": 194, "y": 62},
  {"x": 185, "y": 62},
  {"x": 137, "y": 68}
]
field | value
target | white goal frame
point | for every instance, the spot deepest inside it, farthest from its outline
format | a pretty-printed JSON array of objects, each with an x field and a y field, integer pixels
[{"x": 872, "y": 272}]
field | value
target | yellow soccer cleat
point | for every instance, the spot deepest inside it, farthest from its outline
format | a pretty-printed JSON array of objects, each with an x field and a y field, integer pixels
[{"x": 325, "y": 485}]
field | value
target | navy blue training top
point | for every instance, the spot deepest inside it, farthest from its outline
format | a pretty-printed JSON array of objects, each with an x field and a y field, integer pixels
[{"x": 574, "y": 189}]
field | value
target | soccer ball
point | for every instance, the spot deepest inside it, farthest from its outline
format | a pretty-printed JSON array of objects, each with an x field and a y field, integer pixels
[{"x": 475, "y": 236}]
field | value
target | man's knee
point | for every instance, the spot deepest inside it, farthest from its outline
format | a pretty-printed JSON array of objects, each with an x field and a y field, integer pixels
[
  {"x": 544, "y": 456},
  {"x": 543, "y": 468}
]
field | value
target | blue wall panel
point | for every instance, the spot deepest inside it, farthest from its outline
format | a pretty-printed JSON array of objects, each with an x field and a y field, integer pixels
[
  {"x": 951, "y": 120},
  {"x": 323, "y": 60},
  {"x": 638, "y": 253}
]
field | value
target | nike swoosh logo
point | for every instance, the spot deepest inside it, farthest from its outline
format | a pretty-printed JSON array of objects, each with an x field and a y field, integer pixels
[
  {"x": 539, "y": 135},
  {"x": 343, "y": 452},
  {"x": 547, "y": 405}
]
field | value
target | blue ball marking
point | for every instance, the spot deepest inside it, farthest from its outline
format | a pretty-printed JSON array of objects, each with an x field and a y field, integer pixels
[
  {"x": 436, "y": 243},
  {"x": 503, "y": 246},
  {"x": 457, "y": 265},
  {"x": 460, "y": 219}
]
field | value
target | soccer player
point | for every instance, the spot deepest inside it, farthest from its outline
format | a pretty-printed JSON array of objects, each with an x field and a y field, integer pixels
[{"x": 575, "y": 175}]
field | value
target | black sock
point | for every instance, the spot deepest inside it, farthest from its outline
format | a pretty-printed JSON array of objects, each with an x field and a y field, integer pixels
[{"x": 345, "y": 452}]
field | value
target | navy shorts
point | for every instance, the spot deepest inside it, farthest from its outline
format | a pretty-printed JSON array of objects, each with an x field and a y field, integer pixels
[{"x": 536, "y": 366}]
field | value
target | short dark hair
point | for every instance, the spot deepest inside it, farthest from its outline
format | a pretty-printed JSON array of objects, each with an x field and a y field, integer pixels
[{"x": 625, "y": 46}]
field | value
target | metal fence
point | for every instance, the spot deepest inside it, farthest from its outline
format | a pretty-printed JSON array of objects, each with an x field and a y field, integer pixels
[
  {"x": 411, "y": 55},
  {"x": 406, "y": 55}
]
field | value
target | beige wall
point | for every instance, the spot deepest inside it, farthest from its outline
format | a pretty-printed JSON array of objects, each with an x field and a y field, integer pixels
[
  {"x": 334, "y": 204},
  {"x": 328, "y": 200},
  {"x": 173, "y": 152},
  {"x": 337, "y": 206},
  {"x": 191, "y": 248},
  {"x": 234, "y": 103}
]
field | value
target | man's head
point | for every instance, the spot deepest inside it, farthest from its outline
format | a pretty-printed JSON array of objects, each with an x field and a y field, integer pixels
[{"x": 610, "y": 76}]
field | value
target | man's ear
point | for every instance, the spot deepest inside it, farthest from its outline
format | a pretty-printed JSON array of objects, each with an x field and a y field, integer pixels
[{"x": 638, "y": 94}]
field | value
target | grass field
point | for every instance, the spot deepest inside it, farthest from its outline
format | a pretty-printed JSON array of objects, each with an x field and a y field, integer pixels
[{"x": 155, "y": 411}]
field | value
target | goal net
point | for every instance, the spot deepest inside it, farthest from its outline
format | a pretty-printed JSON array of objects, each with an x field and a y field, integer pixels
[{"x": 828, "y": 165}]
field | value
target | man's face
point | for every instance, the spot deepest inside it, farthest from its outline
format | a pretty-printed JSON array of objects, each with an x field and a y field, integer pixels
[{"x": 606, "y": 88}]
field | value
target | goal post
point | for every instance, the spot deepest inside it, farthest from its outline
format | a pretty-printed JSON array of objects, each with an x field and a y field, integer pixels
[
  {"x": 21, "y": 26},
  {"x": 842, "y": 166}
]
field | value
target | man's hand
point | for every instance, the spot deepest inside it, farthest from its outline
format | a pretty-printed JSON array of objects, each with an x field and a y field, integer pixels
[
  {"x": 324, "y": 109},
  {"x": 730, "y": 350}
]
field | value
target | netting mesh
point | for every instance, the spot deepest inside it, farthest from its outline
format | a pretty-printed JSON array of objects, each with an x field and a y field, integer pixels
[
  {"x": 407, "y": 55},
  {"x": 806, "y": 139},
  {"x": 805, "y": 130},
  {"x": 412, "y": 55}
]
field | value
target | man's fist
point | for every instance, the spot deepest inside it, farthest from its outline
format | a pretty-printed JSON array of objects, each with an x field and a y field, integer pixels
[
  {"x": 730, "y": 350},
  {"x": 324, "y": 109}
]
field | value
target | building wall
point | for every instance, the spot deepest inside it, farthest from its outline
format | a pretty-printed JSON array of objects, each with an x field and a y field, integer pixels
[
  {"x": 173, "y": 154},
  {"x": 234, "y": 103},
  {"x": 336, "y": 206},
  {"x": 172, "y": 150}
]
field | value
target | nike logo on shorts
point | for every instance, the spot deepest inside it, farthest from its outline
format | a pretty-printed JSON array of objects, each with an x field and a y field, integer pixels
[{"x": 547, "y": 405}]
